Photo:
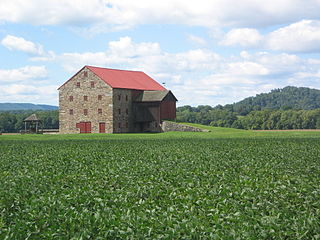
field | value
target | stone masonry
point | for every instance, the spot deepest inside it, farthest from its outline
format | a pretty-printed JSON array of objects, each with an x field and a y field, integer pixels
[
  {"x": 72, "y": 103},
  {"x": 87, "y": 104}
]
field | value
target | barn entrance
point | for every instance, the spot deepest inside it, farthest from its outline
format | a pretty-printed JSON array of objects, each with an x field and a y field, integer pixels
[
  {"x": 85, "y": 127},
  {"x": 102, "y": 127}
]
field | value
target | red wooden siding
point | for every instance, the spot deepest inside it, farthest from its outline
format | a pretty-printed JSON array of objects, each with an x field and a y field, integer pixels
[{"x": 168, "y": 110}]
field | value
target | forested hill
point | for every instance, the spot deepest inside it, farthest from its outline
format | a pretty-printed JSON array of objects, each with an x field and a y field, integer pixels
[
  {"x": 26, "y": 106},
  {"x": 295, "y": 98},
  {"x": 287, "y": 108}
]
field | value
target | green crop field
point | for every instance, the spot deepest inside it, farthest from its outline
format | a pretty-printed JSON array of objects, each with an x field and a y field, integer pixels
[{"x": 225, "y": 184}]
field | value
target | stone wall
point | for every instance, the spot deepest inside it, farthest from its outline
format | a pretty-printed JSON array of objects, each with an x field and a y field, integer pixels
[
  {"x": 122, "y": 111},
  {"x": 69, "y": 120},
  {"x": 177, "y": 127}
]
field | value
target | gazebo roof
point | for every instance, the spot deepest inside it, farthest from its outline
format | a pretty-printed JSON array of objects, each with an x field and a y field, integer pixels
[{"x": 32, "y": 118}]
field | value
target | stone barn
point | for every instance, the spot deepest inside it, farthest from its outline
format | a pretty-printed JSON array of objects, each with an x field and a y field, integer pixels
[{"x": 102, "y": 100}]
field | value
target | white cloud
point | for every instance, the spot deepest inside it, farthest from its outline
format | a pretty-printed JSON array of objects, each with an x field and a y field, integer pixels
[
  {"x": 146, "y": 56},
  {"x": 20, "y": 44},
  {"x": 126, "y": 48},
  {"x": 72, "y": 62},
  {"x": 197, "y": 40},
  {"x": 302, "y": 36},
  {"x": 247, "y": 68},
  {"x": 53, "y": 12},
  {"x": 16, "y": 89},
  {"x": 247, "y": 75},
  {"x": 245, "y": 37},
  {"x": 198, "y": 59},
  {"x": 301, "y": 75},
  {"x": 201, "y": 76},
  {"x": 22, "y": 74},
  {"x": 127, "y": 13},
  {"x": 27, "y": 84},
  {"x": 29, "y": 90},
  {"x": 26, "y": 93},
  {"x": 197, "y": 76},
  {"x": 123, "y": 52},
  {"x": 48, "y": 56}
]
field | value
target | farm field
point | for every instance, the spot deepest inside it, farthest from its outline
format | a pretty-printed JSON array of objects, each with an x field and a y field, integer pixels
[{"x": 224, "y": 184}]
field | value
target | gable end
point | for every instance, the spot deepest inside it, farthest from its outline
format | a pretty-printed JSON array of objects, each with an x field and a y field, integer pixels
[{"x": 84, "y": 68}]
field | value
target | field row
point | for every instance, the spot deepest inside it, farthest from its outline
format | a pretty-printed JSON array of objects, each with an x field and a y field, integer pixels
[{"x": 157, "y": 188}]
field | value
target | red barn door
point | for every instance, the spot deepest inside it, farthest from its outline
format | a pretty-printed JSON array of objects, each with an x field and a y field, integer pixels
[
  {"x": 82, "y": 127},
  {"x": 85, "y": 127},
  {"x": 102, "y": 127},
  {"x": 88, "y": 127}
]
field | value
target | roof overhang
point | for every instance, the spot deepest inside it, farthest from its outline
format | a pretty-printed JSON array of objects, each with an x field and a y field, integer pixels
[{"x": 155, "y": 96}]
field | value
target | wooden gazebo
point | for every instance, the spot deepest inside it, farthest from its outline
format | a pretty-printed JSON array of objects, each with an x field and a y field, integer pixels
[{"x": 32, "y": 124}]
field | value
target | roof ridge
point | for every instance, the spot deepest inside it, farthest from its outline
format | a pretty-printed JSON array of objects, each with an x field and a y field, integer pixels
[{"x": 113, "y": 69}]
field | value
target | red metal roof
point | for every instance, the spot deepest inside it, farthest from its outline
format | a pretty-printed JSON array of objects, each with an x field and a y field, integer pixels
[{"x": 126, "y": 79}]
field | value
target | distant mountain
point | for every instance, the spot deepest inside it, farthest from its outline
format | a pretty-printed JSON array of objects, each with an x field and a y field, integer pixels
[
  {"x": 297, "y": 98},
  {"x": 26, "y": 106}
]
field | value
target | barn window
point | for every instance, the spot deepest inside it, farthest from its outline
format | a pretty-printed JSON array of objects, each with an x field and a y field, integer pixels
[
  {"x": 85, "y": 74},
  {"x": 99, "y": 97},
  {"x": 85, "y": 112},
  {"x": 78, "y": 84},
  {"x": 127, "y": 111},
  {"x": 119, "y": 125},
  {"x": 119, "y": 97},
  {"x": 71, "y": 111},
  {"x": 119, "y": 111},
  {"x": 70, "y": 98},
  {"x": 92, "y": 84},
  {"x": 85, "y": 98},
  {"x": 99, "y": 111},
  {"x": 126, "y": 97}
]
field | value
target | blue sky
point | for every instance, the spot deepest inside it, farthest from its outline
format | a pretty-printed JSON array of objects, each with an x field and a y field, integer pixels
[{"x": 206, "y": 51}]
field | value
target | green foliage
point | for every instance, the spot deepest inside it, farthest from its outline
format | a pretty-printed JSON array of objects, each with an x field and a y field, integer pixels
[
  {"x": 162, "y": 186},
  {"x": 281, "y": 99},
  {"x": 12, "y": 121},
  {"x": 290, "y": 119},
  {"x": 264, "y": 119},
  {"x": 206, "y": 115},
  {"x": 287, "y": 108}
]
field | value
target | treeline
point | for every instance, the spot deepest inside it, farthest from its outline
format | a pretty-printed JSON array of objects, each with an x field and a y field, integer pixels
[
  {"x": 12, "y": 121},
  {"x": 264, "y": 120},
  {"x": 278, "y": 99},
  {"x": 287, "y": 108},
  {"x": 278, "y": 119}
]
